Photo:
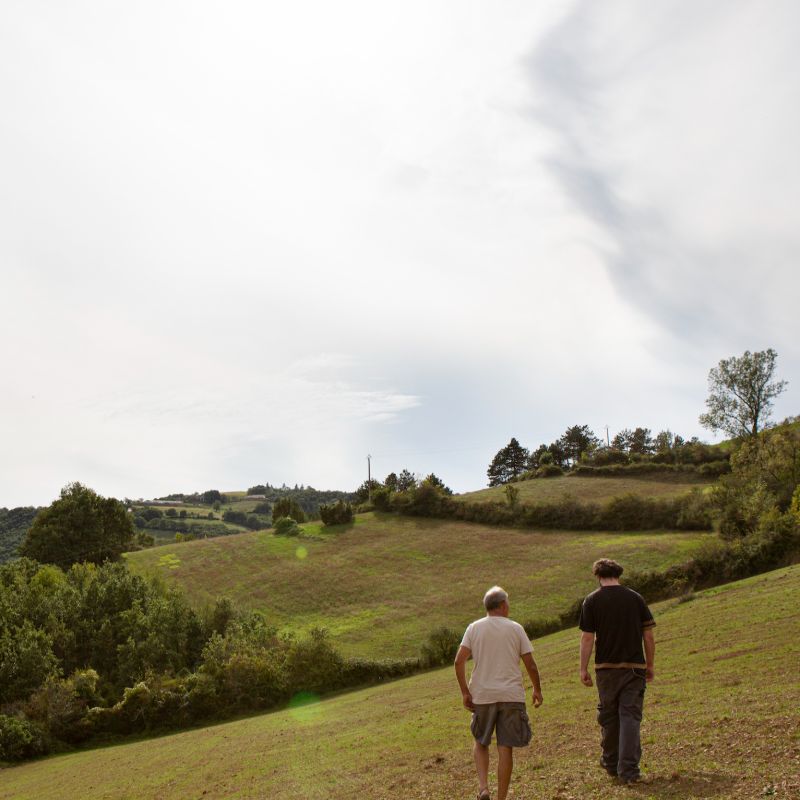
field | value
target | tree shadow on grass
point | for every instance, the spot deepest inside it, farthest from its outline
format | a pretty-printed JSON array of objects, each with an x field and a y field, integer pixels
[{"x": 687, "y": 784}]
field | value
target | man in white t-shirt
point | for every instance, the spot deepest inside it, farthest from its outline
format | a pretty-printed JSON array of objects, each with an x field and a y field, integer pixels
[{"x": 495, "y": 694}]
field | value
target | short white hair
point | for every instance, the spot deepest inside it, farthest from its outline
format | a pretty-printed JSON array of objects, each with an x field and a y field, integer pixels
[{"x": 494, "y": 598}]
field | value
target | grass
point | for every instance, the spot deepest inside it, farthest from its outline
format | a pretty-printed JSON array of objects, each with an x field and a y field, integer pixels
[
  {"x": 381, "y": 585},
  {"x": 594, "y": 490},
  {"x": 720, "y": 722}
]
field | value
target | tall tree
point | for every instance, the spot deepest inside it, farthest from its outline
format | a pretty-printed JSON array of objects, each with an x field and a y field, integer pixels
[
  {"x": 406, "y": 481},
  {"x": 741, "y": 392},
  {"x": 577, "y": 440},
  {"x": 79, "y": 526},
  {"x": 507, "y": 463},
  {"x": 641, "y": 441},
  {"x": 622, "y": 441}
]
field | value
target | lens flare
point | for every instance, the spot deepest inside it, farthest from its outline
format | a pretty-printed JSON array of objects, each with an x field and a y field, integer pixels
[{"x": 304, "y": 706}]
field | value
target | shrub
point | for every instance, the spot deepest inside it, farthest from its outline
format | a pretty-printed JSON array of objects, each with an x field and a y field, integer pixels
[
  {"x": 60, "y": 705},
  {"x": 313, "y": 664},
  {"x": 286, "y": 526},
  {"x": 338, "y": 513},
  {"x": 440, "y": 647},
  {"x": 20, "y": 739},
  {"x": 288, "y": 507},
  {"x": 235, "y": 517},
  {"x": 549, "y": 471},
  {"x": 535, "y": 628}
]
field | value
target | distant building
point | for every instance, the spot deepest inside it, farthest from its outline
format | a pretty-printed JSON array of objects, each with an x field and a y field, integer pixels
[{"x": 256, "y": 497}]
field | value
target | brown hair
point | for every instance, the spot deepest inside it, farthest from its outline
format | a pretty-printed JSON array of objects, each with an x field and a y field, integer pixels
[{"x": 606, "y": 568}]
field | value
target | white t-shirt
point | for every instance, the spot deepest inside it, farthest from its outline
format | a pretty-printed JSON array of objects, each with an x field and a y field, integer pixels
[{"x": 497, "y": 644}]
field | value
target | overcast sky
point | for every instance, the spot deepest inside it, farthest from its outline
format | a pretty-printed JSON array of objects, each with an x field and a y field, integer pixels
[{"x": 256, "y": 241}]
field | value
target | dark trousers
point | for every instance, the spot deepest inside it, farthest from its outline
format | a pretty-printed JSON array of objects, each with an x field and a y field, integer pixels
[{"x": 619, "y": 713}]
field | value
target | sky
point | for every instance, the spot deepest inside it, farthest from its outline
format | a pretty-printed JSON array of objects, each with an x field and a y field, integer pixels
[{"x": 252, "y": 242}]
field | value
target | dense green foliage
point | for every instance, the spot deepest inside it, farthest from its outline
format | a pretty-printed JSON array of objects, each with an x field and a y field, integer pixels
[
  {"x": 252, "y": 521},
  {"x": 97, "y": 650},
  {"x": 338, "y": 513},
  {"x": 14, "y": 524},
  {"x": 692, "y": 511},
  {"x": 79, "y": 526},
  {"x": 288, "y": 507},
  {"x": 307, "y": 498},
  {"x": 578, "y": 449},
  {"x": 765, "y": 475}
]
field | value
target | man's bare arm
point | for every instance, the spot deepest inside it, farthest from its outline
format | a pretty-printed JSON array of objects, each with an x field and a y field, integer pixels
[
  {"x": 462, "y": 656},
  {"x": 649, "y": 652},
  {"x": 587, "y": 645},
  {"x": 533, "y": 674}
]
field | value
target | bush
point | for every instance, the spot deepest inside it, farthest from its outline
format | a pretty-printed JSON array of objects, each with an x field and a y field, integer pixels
[
  {"x": 288, "y": 507},
  {"x": 549, "y": 471},
  {"x": 286, "y": 526},
  {"x": 313, "y": 664},
  {"x": 535, "y": 628},
  {"x": 235, "y": 517},
  {"x": 20, "y": 739},
  {"x": 60, "y": 705},
  {"x": 338, "y": 513},
  {"x": 440, "y": 647},
  {"x": 604, "y": 456}
]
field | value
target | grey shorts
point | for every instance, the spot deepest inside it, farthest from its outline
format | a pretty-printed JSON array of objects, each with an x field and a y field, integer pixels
[{"x": 509, "y": 719}]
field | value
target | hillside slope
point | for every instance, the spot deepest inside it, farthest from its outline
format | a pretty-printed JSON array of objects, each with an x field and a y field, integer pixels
[
  {"x": 383, "y": 584},
  {"x": 593, "y": 489},
  {"x": 721, "y": 721}
]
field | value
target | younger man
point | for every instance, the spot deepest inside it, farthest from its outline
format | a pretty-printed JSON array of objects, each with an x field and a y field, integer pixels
[{"x": 617, "y": 619}]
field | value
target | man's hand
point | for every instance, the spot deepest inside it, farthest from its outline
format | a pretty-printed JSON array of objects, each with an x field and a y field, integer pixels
[
  {"x": 466, "y": 698},
  {"x": 586, "y": 678},
  {"x": 650, "y": 674},
  {"x": 537, "y": 698}
]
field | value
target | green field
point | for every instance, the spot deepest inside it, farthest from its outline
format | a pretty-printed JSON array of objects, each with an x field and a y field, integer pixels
[
  {"x": 721, "y": 721},
  {"x": 383, "y": 584},
  {"x": 592, "y": 490}
]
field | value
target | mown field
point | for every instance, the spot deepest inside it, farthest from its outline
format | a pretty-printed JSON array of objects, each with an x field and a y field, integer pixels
[
  {"x": 721, "y": 721},
  {"x": 594, "y": 490},
  {"x": 383, "y": 584}
]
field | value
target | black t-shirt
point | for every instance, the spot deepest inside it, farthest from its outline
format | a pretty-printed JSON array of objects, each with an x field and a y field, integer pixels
[{"x": 616, "y": 615}]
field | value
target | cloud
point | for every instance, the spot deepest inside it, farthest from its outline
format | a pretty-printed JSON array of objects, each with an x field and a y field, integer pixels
[{"x": 675, "y": 135}]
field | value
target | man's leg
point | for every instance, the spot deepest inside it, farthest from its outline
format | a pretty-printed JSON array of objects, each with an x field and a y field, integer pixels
[
  {"x": 505, "y": 764},
  {"x": 481, "y": 754},
  {"x": 608, "y": 718},
  {"x": 631, "y": 704}
]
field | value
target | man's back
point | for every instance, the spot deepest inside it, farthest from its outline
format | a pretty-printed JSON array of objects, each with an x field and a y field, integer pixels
[
  {"x": 616, "y": 615},
  {"x": 496, "y": 643}
]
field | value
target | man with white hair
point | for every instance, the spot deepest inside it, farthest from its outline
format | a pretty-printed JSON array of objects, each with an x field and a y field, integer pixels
[{"x": 495, "y": 694}]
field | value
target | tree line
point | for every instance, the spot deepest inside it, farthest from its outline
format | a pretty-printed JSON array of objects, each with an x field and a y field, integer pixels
[{"x": 741, "y": 394}]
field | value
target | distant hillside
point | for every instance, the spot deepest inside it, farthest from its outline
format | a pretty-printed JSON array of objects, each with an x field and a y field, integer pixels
[
  {"x": 14, "y": 524},
  {"x": 708, "y": 730},
  {"x": 307, "y": 497},
  {"x": 381, "y": 585},
  {"x": 594, "y": 489}
]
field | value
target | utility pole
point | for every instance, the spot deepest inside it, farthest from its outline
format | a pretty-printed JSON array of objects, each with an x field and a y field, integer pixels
[
  {"x": 369, "y": 479},
  {"x": 608, "y": 441}
]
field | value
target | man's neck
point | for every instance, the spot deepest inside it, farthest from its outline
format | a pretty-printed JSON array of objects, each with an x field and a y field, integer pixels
[{"x": 609, "y": 581}]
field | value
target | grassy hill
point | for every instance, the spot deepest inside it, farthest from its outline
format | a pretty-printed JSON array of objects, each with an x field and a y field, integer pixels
[
  {"x": 720, "y": 721},
  {"x": 593, "y": 489},
  {"x": 381, "y": 585}
]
